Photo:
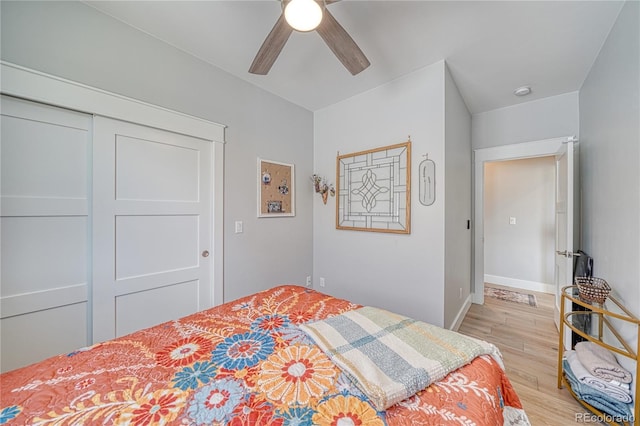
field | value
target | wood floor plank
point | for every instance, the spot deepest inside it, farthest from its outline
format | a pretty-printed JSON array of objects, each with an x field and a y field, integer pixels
[{"x": 528, "y": 339}]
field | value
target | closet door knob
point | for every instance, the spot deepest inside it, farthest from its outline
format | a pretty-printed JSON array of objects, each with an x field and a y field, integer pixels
[{"x": 205, "y": 253}]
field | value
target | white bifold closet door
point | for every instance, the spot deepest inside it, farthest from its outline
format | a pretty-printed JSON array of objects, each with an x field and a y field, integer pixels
[
  {"x": 152, "y": 208},
  {"x": 45, "y": 155}
]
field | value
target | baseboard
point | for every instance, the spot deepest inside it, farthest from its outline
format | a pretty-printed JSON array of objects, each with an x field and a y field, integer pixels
[
  {"x": 457, "y": 322},
  {"x": 521, "y": 284}
]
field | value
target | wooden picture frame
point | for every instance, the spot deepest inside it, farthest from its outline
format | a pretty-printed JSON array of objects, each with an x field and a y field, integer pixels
[
  {"x": 276, "y": 189},
  {"x": 374, "y": 190}
]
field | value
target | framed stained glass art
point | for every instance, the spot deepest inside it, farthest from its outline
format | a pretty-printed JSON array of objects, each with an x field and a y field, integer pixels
[{"x": 373, "y": 190}]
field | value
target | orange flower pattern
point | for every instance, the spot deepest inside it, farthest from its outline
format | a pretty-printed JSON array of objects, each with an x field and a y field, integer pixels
[
  {"x": 296, "y": 374},
  {"x": 242, "y": 363},
  {"x": 346, "y": 410},
  {"x": 184, "y": 351},
  {"x": 299, "y": 317},
  {"x": 158, "y": 408}
]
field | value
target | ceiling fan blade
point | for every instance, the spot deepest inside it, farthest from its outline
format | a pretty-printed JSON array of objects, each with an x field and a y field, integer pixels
[
  {"x": 341, "y": 44},
  {"x": 271, "y": 47}
]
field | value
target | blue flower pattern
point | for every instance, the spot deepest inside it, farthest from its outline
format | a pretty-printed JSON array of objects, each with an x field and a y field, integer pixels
[
  {"x": 243, "y": 350},
  {"x": 214, "y": 402},
  {"x": 298, "y": 416},
  {"x": 256, "y": 325},
  {"x": 191, "y": 377}
]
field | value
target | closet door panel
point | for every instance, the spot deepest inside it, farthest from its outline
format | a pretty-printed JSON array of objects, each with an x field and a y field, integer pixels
[
  {"x": 35, "y": 336},
  {"x": 170, "y": 172},
  {"x": 152, "y": 226},
  {"x": 53, "y": 243},
  {"x": 166, "y": 241},
  {"x": 44, "y": 231},
  {"x": 43, "y": 159},
  {"x": 129, "y": 316}
]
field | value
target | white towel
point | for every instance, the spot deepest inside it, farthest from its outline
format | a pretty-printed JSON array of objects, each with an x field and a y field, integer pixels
[
  {"x": 601, "y": 363},
  {"x": 620, "y": 391}
]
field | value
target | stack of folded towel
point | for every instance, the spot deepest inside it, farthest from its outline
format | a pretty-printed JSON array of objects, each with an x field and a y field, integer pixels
[{"x": 596, "y": 377}]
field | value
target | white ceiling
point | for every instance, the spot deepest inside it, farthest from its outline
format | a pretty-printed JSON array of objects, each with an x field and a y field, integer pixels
[{"x": 491, "y": 47}]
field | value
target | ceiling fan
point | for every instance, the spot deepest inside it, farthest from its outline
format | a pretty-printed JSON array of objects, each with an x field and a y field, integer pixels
[{"x": 338, "y": 40}]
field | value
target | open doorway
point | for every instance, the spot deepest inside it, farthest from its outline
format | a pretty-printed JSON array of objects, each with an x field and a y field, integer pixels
[
  {"x": 526, "y": 150},
  {"x": 519, "y": 223}
]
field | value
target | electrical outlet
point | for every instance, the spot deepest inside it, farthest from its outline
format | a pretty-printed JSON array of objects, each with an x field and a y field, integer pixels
[
  {"x": 308, "y": 280},
  {"x": 321, "y": 282}
]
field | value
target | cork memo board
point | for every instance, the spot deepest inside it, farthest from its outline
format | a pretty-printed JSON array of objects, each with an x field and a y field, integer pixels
[{"x": 276, "y": 196}]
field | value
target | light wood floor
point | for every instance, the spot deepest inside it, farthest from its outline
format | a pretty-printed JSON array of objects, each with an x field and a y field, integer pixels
[{"x": 528, "y": 340}]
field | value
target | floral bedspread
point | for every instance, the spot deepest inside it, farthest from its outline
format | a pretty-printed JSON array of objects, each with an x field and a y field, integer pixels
[{"x": 242, "y": 363}]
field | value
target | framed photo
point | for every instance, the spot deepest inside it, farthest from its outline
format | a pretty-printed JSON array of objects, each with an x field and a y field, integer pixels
[
  {"x": 374, "y": 190},
  {"x": 276, "y": 192}
]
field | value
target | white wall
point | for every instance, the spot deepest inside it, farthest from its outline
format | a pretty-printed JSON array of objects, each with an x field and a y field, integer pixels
[
  {"x": 74, "y": 41},
  {"x": 537, "y": 120},
  {"x": 610, "y": 160},
  {"x": 403, "y": 273},
  {"x": 457, "y": 185},
  {"x": 520, "y": 255}
]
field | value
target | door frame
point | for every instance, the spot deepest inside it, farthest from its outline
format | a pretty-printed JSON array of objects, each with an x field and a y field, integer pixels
[
  {"x": 518, "y": 151},
  {"x": 25, "y": 83}
]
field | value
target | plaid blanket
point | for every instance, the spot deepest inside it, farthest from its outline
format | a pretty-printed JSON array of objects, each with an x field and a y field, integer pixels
[{"x": 391, "y": 357}]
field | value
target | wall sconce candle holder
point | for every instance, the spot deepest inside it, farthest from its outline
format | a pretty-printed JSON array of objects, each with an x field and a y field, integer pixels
[{"x": 322, "y": 187}]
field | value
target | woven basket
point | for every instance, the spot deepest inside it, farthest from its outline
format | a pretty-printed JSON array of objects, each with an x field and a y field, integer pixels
[{"x": 593, "y": 289}]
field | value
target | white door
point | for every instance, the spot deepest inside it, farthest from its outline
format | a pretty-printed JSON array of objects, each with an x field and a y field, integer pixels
[
  {"x": 152, "y": 215},
  {"x": 44, "y": 231},
  {"x": 567, "y": 223}
]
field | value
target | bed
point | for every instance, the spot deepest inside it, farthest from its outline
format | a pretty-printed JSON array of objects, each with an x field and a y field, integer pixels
[{"x": 246, "y": 362}]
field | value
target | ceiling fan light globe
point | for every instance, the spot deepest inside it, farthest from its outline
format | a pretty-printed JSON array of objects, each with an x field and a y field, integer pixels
[{"x": 303, "y": 15}]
